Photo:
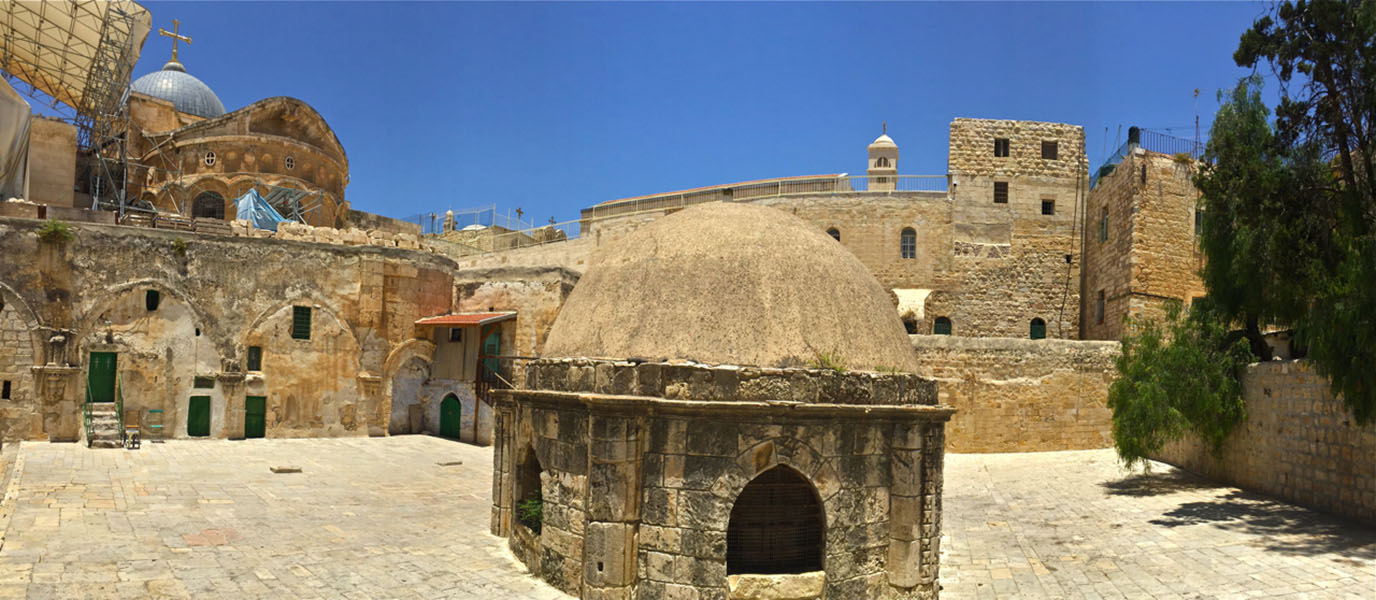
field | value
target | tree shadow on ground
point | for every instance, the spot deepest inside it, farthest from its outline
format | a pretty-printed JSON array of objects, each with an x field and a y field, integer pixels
[
  {"x": 1279, "y": 526},
  {"x": 1156, "y": 483}
]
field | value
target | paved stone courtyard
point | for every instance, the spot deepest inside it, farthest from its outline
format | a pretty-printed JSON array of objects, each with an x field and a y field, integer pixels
[{"x": 389, "y": 518}]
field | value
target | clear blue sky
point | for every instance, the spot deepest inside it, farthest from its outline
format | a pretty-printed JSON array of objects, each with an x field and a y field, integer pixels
[{"x": 554, "y": 107}]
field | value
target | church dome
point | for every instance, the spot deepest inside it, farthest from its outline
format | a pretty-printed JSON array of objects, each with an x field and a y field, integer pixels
[
  {"x": 728, "y": 283},
  {"x": 185, "y": 92}
]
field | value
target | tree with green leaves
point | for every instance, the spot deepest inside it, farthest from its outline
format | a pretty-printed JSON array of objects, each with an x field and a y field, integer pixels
[
  {"x": 1313, "y": 214},
  {"x": 1177, "y": 377}
]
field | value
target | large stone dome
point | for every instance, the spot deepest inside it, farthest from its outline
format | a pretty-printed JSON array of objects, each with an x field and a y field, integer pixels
[
  {"x": 188, "y": 94},
  {"x": 727, "y": 283}
]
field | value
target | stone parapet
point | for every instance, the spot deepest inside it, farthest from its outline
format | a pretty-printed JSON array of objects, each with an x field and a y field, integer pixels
[{"x": 725, "y": 383}]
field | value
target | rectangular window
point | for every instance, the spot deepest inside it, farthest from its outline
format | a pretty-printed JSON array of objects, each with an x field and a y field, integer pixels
[
  {"x": 1198, "y": 222},
  {"x": 5, "y": 390},
  {"x": 203, "y": 382},
  {"x": 1001, "y": 147},
  {"x": 456, "y": 334},
  {"x": 1050, "y": 150},
  {"x": 1048, "y": 207},
  {"x": 151, "y": 298},
  {"x": 1103, "y": 225},
  {"x": 1099, "y": 308},
  {"x": 301, "y": 322},
  {"x": 1000, "y": 192},
  {"x": 255, "y": 358}
]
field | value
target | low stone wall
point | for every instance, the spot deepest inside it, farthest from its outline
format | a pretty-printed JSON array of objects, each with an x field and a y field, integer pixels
[
  {"x": 1016, "y": 395},
  {"x": 1299, "y": 443}
]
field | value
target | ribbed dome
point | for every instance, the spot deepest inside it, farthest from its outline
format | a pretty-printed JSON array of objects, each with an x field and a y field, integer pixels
[
  {"x": 727, "y": 283},
  {"x": 187, "y": 94}
]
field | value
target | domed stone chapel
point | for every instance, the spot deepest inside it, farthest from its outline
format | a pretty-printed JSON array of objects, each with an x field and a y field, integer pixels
[{"x": 725, "y": 408}]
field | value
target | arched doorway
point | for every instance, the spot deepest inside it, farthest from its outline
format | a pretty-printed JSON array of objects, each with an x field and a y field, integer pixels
[
  {"x": 209, "y": 205},
  {"x": 529, "y": 502},
  {"x": 777, "y": 525},
  {"x": 451, "y": 417}
]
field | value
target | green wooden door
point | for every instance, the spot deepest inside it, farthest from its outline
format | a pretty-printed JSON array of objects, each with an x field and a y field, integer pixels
[
  {"x": 198, "y": 417},
  {"x": 100, "y": 377},
  {"x": 451, "y": 417},
  {"x": 492, "y": 346},
  {"x": 255, "y": 416}
]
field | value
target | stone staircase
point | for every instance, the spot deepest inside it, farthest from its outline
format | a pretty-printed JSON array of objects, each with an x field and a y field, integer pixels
[{"x": 105, "y": 429}]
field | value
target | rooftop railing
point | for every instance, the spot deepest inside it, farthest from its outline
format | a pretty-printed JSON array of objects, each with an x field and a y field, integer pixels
[{"x": 481, "y": 241}]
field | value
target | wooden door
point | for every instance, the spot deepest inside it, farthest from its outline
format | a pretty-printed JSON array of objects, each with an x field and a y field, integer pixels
[
  {"x": 255, "y": 416},
  {"x": 492, "y": 346},
  {"x": 451, "y": 417},
  {"x": 100, "y": 377},
  {"x": 198, "y": 417}
]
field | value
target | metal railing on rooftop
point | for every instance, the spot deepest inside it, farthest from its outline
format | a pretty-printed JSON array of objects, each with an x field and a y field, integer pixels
[
  {"x": 1151, "y": 141},
  {"x": 483, "y": 240}
]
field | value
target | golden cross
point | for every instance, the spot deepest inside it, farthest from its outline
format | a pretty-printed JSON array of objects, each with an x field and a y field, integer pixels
[{"x": 176, "y": 25}]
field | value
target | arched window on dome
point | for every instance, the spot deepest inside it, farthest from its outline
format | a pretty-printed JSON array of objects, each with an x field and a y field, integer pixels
[
  {"x": 1037, "y": 330},
  {"x": 777, "y": 525},
  {"x": 941, "y": 326},
  {"x": 834, "y": 233},
  {"x": 907, "y": 243},
  {"x": 209, "y": 205}
]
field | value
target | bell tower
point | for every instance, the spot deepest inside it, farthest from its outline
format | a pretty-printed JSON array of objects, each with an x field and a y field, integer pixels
[{"x": 883, "y": 163}]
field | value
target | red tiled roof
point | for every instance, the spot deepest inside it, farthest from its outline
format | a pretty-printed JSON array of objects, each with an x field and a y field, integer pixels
[{"x": 460, "y": 319}]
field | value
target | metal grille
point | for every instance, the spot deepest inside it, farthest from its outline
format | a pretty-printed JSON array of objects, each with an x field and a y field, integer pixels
[{"x": 776, "y": 526}]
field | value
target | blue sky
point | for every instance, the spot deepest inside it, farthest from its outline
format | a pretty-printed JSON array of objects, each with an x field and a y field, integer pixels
[{"x": 555, "y": 107}]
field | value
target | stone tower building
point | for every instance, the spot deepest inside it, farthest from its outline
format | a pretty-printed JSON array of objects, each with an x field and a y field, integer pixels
[
  {"x": 725, "y": 408},
  {"x": 883, "y": 165}
]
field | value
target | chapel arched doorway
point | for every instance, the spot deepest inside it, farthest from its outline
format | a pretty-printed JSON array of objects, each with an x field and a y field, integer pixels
[{"x": 451, "y": 417}]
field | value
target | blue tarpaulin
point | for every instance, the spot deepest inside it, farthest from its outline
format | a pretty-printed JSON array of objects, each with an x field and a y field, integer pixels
[{"x": 253, "y": 208}]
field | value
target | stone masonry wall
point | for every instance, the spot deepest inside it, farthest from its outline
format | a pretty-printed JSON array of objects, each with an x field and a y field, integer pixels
[
  {"x": 1151, "y": 256},
  {"x": 1019, "y": 395},
  {"x": 1299, "y": 444}
]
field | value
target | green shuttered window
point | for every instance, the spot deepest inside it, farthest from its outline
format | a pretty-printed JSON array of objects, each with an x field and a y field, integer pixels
[{"x": 301, "y": 322}]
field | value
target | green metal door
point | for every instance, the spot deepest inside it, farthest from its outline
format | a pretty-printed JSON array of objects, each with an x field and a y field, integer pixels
[
  {"x": 451, "y": 417},
  {"x": 198, "y": 417},
  {"x": 100, "y": 377},
  {"x": 492, "y": 346},
  {"x": 255, "y": 416}
]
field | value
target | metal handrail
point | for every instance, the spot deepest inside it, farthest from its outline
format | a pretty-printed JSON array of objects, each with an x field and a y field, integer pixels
[
  {"x": 119, "y": 405},
  {"x": 86, "y": 413}
]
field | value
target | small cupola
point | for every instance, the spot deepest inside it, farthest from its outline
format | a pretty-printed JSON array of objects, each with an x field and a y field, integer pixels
[{"x": 883, "y": 162}]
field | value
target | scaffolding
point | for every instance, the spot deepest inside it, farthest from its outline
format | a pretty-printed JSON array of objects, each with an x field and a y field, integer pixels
[{"x": 77, "y": 57}]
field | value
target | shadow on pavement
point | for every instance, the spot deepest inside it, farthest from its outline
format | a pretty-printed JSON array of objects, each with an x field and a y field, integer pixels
[
  {"x": 1158, "y": 483},
  {"x": 1281, "y": 527}
]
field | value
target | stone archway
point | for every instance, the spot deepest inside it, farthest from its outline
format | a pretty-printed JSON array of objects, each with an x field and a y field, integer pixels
[
  {"x": 20, "y": 403},
  {"x": 777, "y": 525}
]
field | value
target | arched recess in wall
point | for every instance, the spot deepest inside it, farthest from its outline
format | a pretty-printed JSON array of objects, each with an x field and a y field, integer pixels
[
  {"x": 14, "y": 304},
  {"x": 777, "y": 525},
  {"x": 528, "y": 496},
  {"x": 312, "y": 383},
  {"x": 1037, "y": 329},
  {"x": 209, "y": 205},
  {"x": 94, "y": 317},
  {"x": 942, "y": 326},
  {"x": 403, "y": 373},
  {"x": 834, "y": 233}
]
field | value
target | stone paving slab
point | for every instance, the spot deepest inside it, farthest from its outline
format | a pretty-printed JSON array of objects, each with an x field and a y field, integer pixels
[
  {"x": 1079, "y": 525},
  {"x": 381, "y": 518}
]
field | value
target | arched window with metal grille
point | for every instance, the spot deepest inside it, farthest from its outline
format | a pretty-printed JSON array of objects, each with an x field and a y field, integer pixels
[
  {"x": 1037, "y": 330},
  {"x": 777, "y": 525},
  {"x": 907, "y": 243},
  {"x": 209, "y": 205},
  {"x": 941, "y": 326}
]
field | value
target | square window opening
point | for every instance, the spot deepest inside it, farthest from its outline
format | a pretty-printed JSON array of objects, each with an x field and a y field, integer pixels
[
  {"x": 255, "y": 358},
  {"x": 1050, "y": 150},
  {"x": 151, "y": 299},
  {"x": 1000, "y": 192},
  {"x": 1048, "y": 207},
  {"x": 456, "y": 334},
  {"x": 203, "y": 382},
  {"x": 1001, "y": 146}
]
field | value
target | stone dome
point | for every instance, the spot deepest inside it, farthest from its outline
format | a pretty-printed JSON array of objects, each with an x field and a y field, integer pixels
[
  {"x": 186, "y": 93},
  {"x": 728, "y": 283},
  {"x": 883, "y": 140}
]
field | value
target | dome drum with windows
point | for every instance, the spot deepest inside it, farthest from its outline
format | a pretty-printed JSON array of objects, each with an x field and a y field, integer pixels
[{"x": 732, "y": 357}]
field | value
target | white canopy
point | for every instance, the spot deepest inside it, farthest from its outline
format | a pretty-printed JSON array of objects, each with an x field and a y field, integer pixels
[
  {"x": 14, "y": 143},
  {"x": 57, "y": 47}
]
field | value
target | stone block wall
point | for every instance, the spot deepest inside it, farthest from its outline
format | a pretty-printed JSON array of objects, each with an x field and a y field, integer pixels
[
  {"x": 1018, "y": 395},
  {"x": 52, "y": 162},
  {"x": 1299, "y": 443},
  {"x": 1151, "y": 256}
]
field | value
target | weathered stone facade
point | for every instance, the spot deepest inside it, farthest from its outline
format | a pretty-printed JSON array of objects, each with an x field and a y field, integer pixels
[
  {"x": 1299, "y": 443},
  {"x": 182, "y": 313},
  {"x": 1014, "y": 395},
  {"x": 640, "y": 466},
  {"x": 1140, "y": 249}
]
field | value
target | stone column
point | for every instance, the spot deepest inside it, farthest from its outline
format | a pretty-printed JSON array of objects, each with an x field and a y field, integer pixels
[
  {"x": 613, "y": 507},
  {"x": 231, "y": 380},
  {"x": 905, "y": 506},
  {"x": 503, "y": 465},
  {"x": 370, "y": 405}
]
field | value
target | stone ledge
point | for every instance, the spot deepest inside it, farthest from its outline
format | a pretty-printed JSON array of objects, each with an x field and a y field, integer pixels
[
  {"x": 647, "y": 405},
  {"x": 726, "y": 383}
]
